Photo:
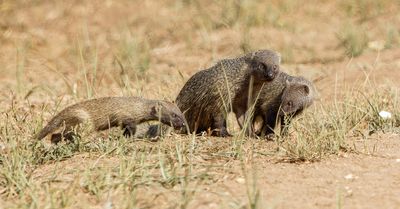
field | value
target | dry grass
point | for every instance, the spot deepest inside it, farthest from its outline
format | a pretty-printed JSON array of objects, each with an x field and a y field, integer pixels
[{"x": 55, "y": 53}]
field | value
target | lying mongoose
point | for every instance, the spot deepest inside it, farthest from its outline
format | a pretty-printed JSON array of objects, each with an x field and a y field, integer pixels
[
  {"x": 282, "y": 99},
  {"x": 210, "y": 94},
  {"x": 107, "y": 112}
]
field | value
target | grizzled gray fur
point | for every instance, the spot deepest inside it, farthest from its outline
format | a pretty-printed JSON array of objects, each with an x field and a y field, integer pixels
[{"x": 210, "y": 94}]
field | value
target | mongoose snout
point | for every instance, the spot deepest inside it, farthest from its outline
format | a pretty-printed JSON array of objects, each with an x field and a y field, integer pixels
[
  {"x": 271, "y": 73},
  {"x": 174, "y": 117},
  {"x": 266, "y": 64},
  {"x": 177, "y": 121}
]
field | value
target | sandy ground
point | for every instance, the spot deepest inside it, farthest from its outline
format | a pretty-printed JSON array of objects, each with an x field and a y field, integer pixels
[{"x": 45, "y": 38}]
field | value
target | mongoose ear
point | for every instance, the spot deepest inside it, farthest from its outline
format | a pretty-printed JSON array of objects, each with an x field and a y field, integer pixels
[
  {"x": 306, "y": 89},
  {"x": 153, "y": 110},
  {"x": 156, "y": 108},
  {"x": 256, "y": 63},
  {"x": 302, "y": 88}
]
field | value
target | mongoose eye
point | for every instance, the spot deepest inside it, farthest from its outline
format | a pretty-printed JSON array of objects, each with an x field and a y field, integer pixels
[
  {"x": 174, "y": 115},
  {"x": 261, "y": 66},
  {"x": 275, "y": 67}
]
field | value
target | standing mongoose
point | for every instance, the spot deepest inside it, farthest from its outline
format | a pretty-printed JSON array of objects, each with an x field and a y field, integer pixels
[
  {"x": 210, "y": 94},
  {"x": 104, "y": 113},
  {"x": 282, "y": 99}
]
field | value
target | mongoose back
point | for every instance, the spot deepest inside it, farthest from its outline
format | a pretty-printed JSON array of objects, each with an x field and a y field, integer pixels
[
  {"x": 286, "y": 96},
  {"x": 107, "y": 112},
  {"x": 209, "y": 94}
]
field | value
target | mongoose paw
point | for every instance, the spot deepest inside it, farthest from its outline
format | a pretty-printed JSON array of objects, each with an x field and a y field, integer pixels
[
  {"x": 129, "y": 130},
  {"x": 58, "y": 137},
  {"x": 252, "y": 135},
  {"x": 270, "y": 137},
  {"x": 127, "y": 133},
  {"x": 221, "y": 133},
  {"x": 154, "y": 139}
]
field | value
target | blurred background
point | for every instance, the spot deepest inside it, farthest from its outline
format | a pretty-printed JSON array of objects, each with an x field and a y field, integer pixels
[
  {"x": 55, "y": 53},
  {"x": 90, "y": 48}
]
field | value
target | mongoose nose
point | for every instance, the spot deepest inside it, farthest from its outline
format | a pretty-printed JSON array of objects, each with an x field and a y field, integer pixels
[
  {"x": 180, "y": 124},
  {"x": 270, "y": 75}
]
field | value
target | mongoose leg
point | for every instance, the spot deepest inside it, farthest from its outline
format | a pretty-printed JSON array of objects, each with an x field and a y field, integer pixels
[
  {"x": 269, "y": 129},
  {"x": 284, "y": 123},
  {"x": 67, "y": 136},
  {"x": 153, "y": 131},
  {"x": 269, "y": 124},
  {"x": 241, "y": 117},
  {"x": 219, "y": 127},
  {"x": 240, "y": 113},
  {"x": 240, "y": 120},
  {"x": 249, "y": 129},
  {"x": 221, "y": 132},
  {"x": 129, "y": 127}
]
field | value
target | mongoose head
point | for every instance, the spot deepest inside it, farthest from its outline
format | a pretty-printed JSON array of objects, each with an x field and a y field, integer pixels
[
  {"x": 297, "y": 95},
  {"x": 168, "y": 113},
  {"x": 265, "y": 64}
]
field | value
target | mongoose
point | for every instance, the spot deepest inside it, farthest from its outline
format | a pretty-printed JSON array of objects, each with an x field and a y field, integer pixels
[
  {"x": 284, "y": 98},
  {"x": 211, "y": 93},
  {"x": 104, "y": 113}
]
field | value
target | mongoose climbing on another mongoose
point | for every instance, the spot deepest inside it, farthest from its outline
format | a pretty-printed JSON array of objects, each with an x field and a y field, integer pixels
[
  {"x": 107, "y": 112},
  {"x": 210, "y": 94}
]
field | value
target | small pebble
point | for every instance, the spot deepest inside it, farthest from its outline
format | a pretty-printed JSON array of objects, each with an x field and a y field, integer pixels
[
  {"x": 376, "y": 45},
  {"x": 385, "y": 114},
  {"x": 108, "y": 205},
  {"x": 240, "y": 180},
  {"x": 350, "y": 177},
  {"x": 349, "y": 191}
]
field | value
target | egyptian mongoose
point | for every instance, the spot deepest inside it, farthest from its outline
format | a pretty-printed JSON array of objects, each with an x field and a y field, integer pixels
[{"x": 107, "y": 112}]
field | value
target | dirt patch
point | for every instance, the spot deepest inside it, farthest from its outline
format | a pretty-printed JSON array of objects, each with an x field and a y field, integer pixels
[{"x": 53, "y": 54}]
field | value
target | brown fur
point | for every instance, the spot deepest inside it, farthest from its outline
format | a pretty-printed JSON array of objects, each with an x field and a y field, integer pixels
[
  {"x": 282, "y": 99},
  {"x": 210, "y": 94},
  {"x": 107, "y": 112}
]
